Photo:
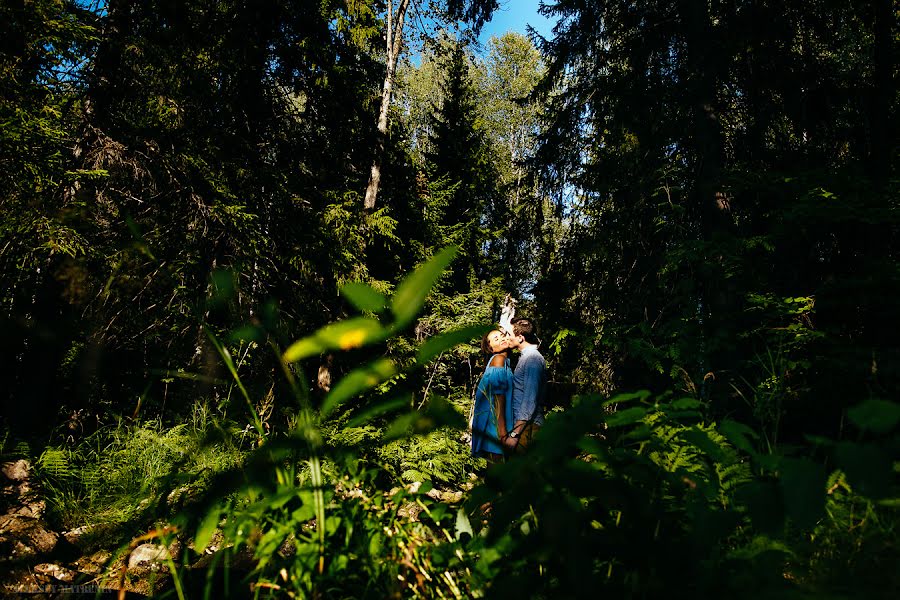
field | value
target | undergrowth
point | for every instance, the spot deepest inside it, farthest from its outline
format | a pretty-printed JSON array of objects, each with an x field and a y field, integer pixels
[{"x": 129, "y": 472}]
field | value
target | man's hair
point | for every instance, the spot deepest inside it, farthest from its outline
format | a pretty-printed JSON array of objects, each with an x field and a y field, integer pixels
[{"x": 527, "y": 329}]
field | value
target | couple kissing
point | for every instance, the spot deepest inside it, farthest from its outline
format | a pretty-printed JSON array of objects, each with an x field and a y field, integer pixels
[{"x": 508, "y": 407}]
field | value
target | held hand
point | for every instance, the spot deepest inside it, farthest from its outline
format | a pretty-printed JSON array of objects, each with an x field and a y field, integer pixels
[{"x": 510, "y": 443}]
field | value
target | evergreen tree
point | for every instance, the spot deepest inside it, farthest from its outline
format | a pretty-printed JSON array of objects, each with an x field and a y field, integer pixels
[
  {"x": 459, "y": 158},
  {"x": 719, "y": 161}
]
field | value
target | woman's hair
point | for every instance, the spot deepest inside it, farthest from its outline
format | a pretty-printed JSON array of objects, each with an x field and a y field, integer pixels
[
  {"x": 486, "y": 343},
  {"x": 527, "y": 329}
]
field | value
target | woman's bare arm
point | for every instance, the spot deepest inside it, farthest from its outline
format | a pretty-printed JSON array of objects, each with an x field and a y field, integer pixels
[{"x": 500, "y": 400}]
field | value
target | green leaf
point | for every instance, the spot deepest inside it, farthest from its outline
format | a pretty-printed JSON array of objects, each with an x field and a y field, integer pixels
[
  {"x": 358, "y": 381},
  {"x": 375, "y": 545},
  {"x": 621, "y": 398},
  {"x": 439, "y": 343},
  {"x": 462, "y": 524},
  {"x": 206, "y": 529},
  {"x": 868, "y": 468},
  {"x": 803, "y": 486},
  {"x": 878, "y": 416},
  {"x": 222, "y": 287},
  {"x": 438, "y": 412},
  {"x": 764, "y": 503},
  {"x": 686, "y": 404},
  {"x": 626, "y": 417},
  {"x": 376, "y": 410},
  {"x": 343, "y": 335},
  {"x": 247, "y": 333},
  {"x": 364, "y": 297},
  {"x": 410, "y": 295},
  {"x": 737, "y": 433},
  {"x": 701, "y": 440}
]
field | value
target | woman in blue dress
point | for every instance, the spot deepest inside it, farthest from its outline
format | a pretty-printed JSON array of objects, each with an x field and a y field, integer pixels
[{"x": 493, "y": 399}]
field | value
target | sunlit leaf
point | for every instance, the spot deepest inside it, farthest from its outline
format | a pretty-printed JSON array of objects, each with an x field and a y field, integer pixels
[
  {"x": 358, "y": 381},
  {"x": 439, "y": 343},
  {"x": 206, "y": 529},
  {"x": 410, "y": 295},
  {"x": 878, "y": 416},
  {"x": 364, "y": 297},
  {"x": 462, "y": 523},
  {"x": 342, "y": 335}
]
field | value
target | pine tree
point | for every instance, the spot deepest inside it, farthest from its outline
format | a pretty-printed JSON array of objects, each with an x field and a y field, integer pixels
[{"x": 459, "y": 158}]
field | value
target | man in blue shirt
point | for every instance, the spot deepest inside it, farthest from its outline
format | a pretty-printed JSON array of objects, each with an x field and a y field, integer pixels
[{"x": 529, "y": 385}]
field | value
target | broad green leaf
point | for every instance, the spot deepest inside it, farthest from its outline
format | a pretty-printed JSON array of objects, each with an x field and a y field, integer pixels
[
  {"x": 758, "y": 546},
  {"x": 878, "y": 416},
  {"x": 462, "y": 524},
  {"x": 439, "y": 343},
  {"x": 639, "y": 433},
  {"x": 438, "y": 412},
  {"x": 410, "y": 295},
  {"x": 375, "y": 545},
  {"x": 737, "y": 433},
  {"x": 765, "y": 505},
  {"x": 701, "y": 440},
  {"x": 358, "y": 381},
  {"x": 342, "y": 335},
  {"x": 247, "y": 333},
  {"x": 206, "y": 529},
  {"x": 640, "y": 395},
  {"x": 591, "y": 446},
  {"x": 222, "y": 287},
  {"x": 626, "y": 416},
  {"x": 868, "y": 468},
  {"x": 376, "y": 410},
  {"x": 364, "y": 297},
  {"x": 803, "y": 486},
  {"x": 686, "y": 404},
  {"x": 402, "y": 425}
]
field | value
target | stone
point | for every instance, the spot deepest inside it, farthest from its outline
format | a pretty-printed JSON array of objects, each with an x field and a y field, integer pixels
[
  {"x": 93, "y": 564},
  {"x": 410, "y": 510},
  {"x": 55, "y": 571},
  {"x": 34, "y": 509},
  {"x": 16, "y": 470},
  {"x": 22, "y": 536},
  {"x": 147, "y": 554}
]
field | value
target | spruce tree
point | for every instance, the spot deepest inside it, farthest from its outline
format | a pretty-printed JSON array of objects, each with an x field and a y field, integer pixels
[{"x": 459, "y": 160}]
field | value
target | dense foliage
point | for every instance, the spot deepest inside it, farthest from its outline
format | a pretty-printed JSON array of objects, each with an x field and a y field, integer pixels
[{"x": 697, "y": 200}]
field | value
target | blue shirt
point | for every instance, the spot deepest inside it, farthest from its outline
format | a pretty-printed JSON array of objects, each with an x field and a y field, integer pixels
[{"x": 529, "y": 387}]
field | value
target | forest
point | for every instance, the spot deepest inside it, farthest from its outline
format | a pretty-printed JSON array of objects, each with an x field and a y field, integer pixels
[{"x": 248, "y": 251}]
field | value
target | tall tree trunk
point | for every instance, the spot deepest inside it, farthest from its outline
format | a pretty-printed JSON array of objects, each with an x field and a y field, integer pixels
[
  {"x": 393, "y": 43},
  {"x": 703, "y": 68}
]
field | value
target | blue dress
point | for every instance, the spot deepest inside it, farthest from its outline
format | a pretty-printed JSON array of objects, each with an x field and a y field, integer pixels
[{"x": 494, "y": 381}]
